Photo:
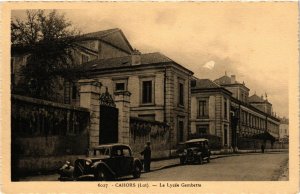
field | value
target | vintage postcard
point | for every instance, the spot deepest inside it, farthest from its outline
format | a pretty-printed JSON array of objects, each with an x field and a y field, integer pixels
[{"x": 150, "y": 97}]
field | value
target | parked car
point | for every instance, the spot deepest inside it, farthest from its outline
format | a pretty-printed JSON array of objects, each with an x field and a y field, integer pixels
[
  {"x": 195, "y": 151},
  {"x": 107, "y": 162}
]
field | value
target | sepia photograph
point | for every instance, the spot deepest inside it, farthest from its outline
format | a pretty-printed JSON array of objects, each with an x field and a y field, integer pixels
[{"x": 152, "y": 95}]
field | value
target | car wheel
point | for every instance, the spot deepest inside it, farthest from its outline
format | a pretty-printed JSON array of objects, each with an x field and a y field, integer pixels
[
  {"x": 101, "y": 175},
  {"x": 181, "y": 160},
  {"x": 200, "y": 160},
  {"x": 137, "y": 171},
  {"x": 208, "y": 159}
]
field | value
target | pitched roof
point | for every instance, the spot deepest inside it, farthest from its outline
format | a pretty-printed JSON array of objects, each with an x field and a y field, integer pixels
[
  {"x": 224, "y": 80},
  {"x": 110, "y": 36},
  {"x": 125, "y": 61},
  {"x": 100, "y": 34},
  {"x": 205, "y": 83},
  {"x": 255, "y": 98}
]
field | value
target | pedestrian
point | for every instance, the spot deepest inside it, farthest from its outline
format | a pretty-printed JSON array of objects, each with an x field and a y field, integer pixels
[
  {"x": 147, "y": 157},
  {"x": 262, "y": 148}
]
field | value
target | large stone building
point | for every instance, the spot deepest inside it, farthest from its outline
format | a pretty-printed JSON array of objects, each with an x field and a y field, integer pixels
[
  {"x": 210, "y": 110},
  {"x": 159, "y": 87},
  {"x": 97, "y": 45},
  {"x": 224, "y": 108},
  {"x": 163, "y": 90}
]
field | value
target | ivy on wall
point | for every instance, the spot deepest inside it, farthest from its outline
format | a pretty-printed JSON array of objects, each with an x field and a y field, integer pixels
[{"x": 150, "y": 129}]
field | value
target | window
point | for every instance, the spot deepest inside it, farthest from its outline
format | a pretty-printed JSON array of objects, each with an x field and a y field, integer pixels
[
  {"x": 225, "y": 108},
  {"x": 120, "y": 86},
  {"x": 202, "y": 130},
  {"x": 84, "y": 58},
  {"x": 180, "y": 128},
  {"x": 202, "y": 108},
  {"x": 225, "y": 135},
  {"x": 120, "y": 83},
  {"x": 180, "y": 94},
  {"x": 101, "y": 152},
  {"x": 146, "y": 92},
  {"x": 126, "y": 152}
]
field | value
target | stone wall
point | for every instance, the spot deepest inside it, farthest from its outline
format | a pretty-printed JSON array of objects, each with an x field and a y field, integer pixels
[
  {"x": 248, "y": 143},
  {"x": 45, "y": 131},
  {"x": 157, "y": 133}
]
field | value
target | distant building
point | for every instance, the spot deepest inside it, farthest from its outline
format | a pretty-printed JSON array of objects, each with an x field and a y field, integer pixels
[
  {"x": 210, "y": 110},
  {"x": 223, "y": 108},
  {"x": 239, "y": 90},
  {"x": 284, "y": 129},
  {"x": 261, "y": 104}
]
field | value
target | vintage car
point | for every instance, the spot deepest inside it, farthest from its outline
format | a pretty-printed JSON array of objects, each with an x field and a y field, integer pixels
[
  {"x": 107, "y": 162},
  {"x": 195, "y": 151}
]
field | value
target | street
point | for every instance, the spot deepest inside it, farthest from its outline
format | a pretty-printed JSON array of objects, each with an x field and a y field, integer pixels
[
  {"x": 250, "y": 167},
  {"x": 244, "y": 167}
]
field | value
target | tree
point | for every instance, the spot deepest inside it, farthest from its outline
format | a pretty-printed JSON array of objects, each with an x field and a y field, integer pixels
[{"x": 49, "y": 40}]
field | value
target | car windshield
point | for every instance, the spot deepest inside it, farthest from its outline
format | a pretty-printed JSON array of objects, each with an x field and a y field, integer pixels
[
  {"x": 195, "y": 144},
  {"x": 101, "y": 152}
]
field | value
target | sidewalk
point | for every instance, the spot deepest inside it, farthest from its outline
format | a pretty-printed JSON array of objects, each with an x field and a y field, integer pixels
[
  {"x": 169, "y": 163},
  {"x": 162, "y": 164}
]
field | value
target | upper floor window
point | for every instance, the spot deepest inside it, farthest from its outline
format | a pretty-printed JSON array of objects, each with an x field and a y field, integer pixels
[
  {"x": 147, "y": 92},
  {"x": 202, "y": 108},
  {"x": 225, "y": 109},
  {"x": 181, "y": 94},
  {"x": 120, "y": 86}
]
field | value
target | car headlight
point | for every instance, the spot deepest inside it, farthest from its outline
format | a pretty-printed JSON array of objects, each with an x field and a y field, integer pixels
[
  {"x": 88, "y": 162},
  {"x": 183, "y": 153}
]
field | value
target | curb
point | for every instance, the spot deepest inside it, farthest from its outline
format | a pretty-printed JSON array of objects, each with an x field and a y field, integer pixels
[{"x": 213, "y": 158}]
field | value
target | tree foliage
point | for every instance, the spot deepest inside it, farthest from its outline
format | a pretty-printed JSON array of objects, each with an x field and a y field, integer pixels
[{"x": 48, "y": 39}]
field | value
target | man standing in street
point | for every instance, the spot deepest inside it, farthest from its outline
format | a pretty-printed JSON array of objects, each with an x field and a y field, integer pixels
[
  {"x": 262, "y": 148},
  {"x": 147, "y": 157}
]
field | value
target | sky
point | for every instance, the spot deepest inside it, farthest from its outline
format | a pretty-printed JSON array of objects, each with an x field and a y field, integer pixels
[{"x": 257, "y": 42}]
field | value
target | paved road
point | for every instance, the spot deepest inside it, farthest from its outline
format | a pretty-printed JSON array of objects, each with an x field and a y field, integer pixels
[
  {"x": 252, "y": 167},
  {"x": 245, "y": 167}
]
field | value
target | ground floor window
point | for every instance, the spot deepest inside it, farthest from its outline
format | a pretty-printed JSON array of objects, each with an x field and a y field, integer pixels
[
  {"x": 202, "y": 130},
  {"x": 180, "y": 130},
  {"x": 225, "y": 135}
]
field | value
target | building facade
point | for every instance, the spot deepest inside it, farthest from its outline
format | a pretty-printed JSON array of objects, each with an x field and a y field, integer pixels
[
  {"x": 159, "y": 87},
  {"x": 284, "y": 130},
  {"x": 223, "y": 108},
  {"x": 210, "y": 110},
  {"x": 97, "y": 45}
]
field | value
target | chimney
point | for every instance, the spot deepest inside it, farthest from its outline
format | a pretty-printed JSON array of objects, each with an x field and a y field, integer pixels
[
  {"x": 136, "y": 57},
  {"x": 232, "y": 79}
]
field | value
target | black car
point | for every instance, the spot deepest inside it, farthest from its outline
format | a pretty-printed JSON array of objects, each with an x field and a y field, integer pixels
[
  {"x": 195, "y": 151},
  {"x": 107, "y": 162}
]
